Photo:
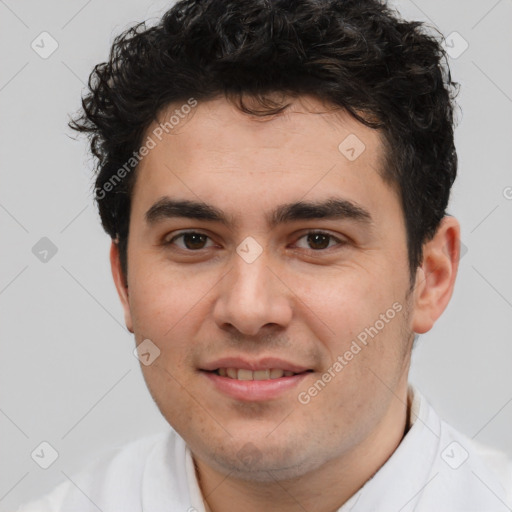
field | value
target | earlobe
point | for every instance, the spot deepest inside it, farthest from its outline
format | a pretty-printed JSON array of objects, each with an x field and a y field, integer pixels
[
  {"x": 121, "y": 286},
  {"x": 435, "y": 279}
]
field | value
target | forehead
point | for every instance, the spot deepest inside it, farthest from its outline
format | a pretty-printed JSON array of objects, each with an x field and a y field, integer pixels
[
  {"x": 218, "y": 154},
  {"x": 218, "y": 126}
]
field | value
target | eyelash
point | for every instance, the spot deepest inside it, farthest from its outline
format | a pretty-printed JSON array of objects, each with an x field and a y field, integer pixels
[{"x": 313, "y": 232}]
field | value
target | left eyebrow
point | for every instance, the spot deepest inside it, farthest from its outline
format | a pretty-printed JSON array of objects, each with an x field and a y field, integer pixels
[{"x": 331, "y": 208}]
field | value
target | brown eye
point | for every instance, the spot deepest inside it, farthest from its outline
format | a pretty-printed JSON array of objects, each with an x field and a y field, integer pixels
[
  {"x": 191, "y": 241},
  {"x": 318, "y": 241}
]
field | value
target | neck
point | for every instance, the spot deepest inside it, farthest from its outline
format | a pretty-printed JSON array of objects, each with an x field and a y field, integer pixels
[{"x": 324, "y": 490}]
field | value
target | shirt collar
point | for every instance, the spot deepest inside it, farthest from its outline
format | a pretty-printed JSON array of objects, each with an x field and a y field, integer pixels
[
  {"x": 415, "y": 477},
  {"x": 401, "y": 476}
]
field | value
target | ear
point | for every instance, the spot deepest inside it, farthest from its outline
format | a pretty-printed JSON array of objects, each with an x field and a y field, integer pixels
[
  {"x": 435, "y": 279},
  {"x": 119, "y": 280}
]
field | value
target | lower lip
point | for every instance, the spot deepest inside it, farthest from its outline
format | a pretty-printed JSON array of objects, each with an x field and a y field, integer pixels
[{"x": 255, "y": 390}]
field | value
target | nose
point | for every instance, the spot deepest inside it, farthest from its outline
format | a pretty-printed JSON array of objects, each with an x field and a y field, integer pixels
[{"x": 252, "y": 296}]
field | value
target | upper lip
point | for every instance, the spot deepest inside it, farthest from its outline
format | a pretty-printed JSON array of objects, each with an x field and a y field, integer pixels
[{"x": 261, "y": 364}]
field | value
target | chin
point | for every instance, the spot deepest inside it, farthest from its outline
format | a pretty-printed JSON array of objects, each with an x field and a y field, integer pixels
[{"x": 263, "y": 464}]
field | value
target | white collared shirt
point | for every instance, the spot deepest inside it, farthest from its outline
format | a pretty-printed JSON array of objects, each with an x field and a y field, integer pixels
[{"x": 434, "y": 469}]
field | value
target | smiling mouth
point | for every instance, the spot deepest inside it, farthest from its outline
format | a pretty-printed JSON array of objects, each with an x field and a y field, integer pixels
[{"x": 244, "y": 374}]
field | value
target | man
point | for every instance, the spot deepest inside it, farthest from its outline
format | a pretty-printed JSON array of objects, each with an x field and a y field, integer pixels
[{"x": 275, "y": 177}]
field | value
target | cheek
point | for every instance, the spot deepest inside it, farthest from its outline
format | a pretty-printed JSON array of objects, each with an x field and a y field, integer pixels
[
  {"x": 359, "y": 318},
  {"x": 346, "y": 300},
  {"x": 167, "y": 309},
  {"x": 171, "y": 392},
  {"x": 159, "y": 298}
]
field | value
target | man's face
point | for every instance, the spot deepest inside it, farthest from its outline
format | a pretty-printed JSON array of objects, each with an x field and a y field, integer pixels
[{"x": 255, "y": 294}]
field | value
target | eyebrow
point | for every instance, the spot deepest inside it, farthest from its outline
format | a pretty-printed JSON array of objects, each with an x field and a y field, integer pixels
[{"x": 332, "y": 208}]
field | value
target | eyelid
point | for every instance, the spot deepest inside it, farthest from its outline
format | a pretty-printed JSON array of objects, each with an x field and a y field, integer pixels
[
  {"x": 340, "y": 241},
  {"x": 186, "y": 232}
]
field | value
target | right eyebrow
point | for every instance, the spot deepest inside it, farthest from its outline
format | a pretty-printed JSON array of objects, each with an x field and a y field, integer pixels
[{"x": 167, "y": 208}]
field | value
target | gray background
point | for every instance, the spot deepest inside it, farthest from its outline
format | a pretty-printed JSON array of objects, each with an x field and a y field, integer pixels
[{"x": 67, "y": 372}]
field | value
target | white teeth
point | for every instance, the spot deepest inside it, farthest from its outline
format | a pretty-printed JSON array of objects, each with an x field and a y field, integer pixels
[
  {"x": 243, "y": 374},
  {"x": 276, "y": 373},
  {"x": 232, "y": 373},
  {"x": 261, "y": 375}
]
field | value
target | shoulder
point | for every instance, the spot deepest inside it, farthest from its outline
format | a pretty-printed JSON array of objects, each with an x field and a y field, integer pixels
[
  {"x": 115, "y": 476},
  {"x": 466, "y": 474},
  {"x": 488, "y": 470},
  {"x": 459, "y": 473}
]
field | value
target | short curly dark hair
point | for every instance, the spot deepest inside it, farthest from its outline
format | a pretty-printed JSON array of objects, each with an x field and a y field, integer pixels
[{"x": 358, "y": 55}]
